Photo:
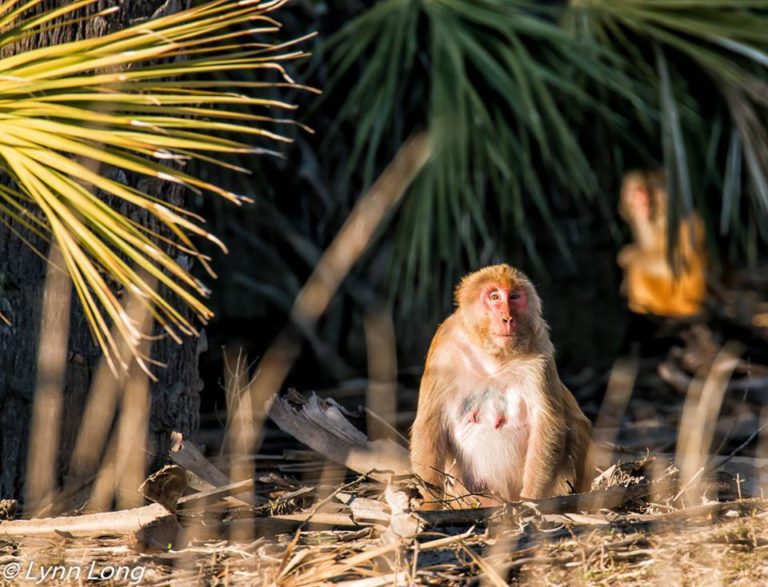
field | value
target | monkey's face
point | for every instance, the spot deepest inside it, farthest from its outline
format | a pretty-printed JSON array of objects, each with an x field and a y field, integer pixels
[
  {"x": 503, "y": 305},
  {"x": 503, "y": 317},
  {"x": 500, "y": 310},
  {"x": 635, "y": 202}
]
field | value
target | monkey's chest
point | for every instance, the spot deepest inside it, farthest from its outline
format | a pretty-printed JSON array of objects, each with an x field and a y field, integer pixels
[{"x": 491, "y": 433}]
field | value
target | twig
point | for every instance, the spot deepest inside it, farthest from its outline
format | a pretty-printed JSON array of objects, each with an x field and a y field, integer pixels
[
  {"x": 491, "y": 573},
  {"x": 327, "y": 499},
  {"x": 690, "y": 482},
  {"x": 712, "y": 468},
  {"x": 584, "y": 502}
]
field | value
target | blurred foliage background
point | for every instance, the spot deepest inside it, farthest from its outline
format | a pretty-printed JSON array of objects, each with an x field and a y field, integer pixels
[{"x": 536, "y": 110}]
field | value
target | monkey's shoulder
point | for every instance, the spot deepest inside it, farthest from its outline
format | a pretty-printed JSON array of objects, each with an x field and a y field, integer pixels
[{"x": 449, "y": 339}]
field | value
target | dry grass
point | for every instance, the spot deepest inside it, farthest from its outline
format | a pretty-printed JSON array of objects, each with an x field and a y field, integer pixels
[{"x": 712, "y": 544}]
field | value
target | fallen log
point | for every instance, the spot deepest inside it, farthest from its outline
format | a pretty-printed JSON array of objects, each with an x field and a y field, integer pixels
[{"x": 88, "y": 525}]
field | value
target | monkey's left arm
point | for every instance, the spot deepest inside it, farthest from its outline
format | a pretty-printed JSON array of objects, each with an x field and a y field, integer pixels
[
  {"x": 544, "y": 459},
  {"x": 558, "y": 447},
  {"x": 579, "y": 448}
]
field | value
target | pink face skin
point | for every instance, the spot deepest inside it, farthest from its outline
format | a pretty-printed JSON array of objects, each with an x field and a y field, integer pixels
[
  {"x": 503, "y": 306},
  {"x": 637, "y": 204}
]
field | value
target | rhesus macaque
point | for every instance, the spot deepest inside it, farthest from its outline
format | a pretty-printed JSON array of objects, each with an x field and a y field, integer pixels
[
  {"x": 493, "y": 416},
  {"x": 650, "y": 283}
]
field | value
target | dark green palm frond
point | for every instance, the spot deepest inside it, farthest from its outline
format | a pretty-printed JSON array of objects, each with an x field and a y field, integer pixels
[
  {"x": 677, "y": 44},
  {"x": 503, "y": 85},
  {"x": 385, "y": 38}
]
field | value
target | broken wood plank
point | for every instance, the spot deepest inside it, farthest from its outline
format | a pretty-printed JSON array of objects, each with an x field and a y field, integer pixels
[
  {"x": 217, "y": 493},
  {"x": 165, "y": 486},
  {"x": 187, "y": 455},
  {"x": 322, "y": 426}
]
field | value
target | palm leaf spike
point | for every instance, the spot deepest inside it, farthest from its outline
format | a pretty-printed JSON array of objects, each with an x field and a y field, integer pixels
[{"x": 127, "y": 86}]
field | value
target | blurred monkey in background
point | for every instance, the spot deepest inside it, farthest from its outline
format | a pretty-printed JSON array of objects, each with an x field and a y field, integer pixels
[{"x": 651, "y": 284}]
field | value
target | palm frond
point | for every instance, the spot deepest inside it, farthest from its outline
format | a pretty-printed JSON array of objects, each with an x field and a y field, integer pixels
[{"x": 120, "y": 100}]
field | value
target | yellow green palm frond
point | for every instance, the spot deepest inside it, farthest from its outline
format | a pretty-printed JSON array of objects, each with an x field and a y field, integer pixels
[{"x": 126, "y": 100}]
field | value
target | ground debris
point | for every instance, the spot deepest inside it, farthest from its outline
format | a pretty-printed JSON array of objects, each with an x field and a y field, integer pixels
[{"x": 365, "y": 533}]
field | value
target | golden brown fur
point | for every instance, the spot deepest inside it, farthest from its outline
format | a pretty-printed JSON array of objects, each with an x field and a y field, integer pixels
[
  {"x": 493, "y": 416},
  {"x": 650, "y": 283}
]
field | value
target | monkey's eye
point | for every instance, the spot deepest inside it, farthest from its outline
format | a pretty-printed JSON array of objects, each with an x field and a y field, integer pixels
[
  {"x": 495, "y": 296},
  {"x": 514, "y": 296}
]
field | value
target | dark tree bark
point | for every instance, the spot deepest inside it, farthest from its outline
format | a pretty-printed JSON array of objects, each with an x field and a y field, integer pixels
[{"x": 174, "y": 398}]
